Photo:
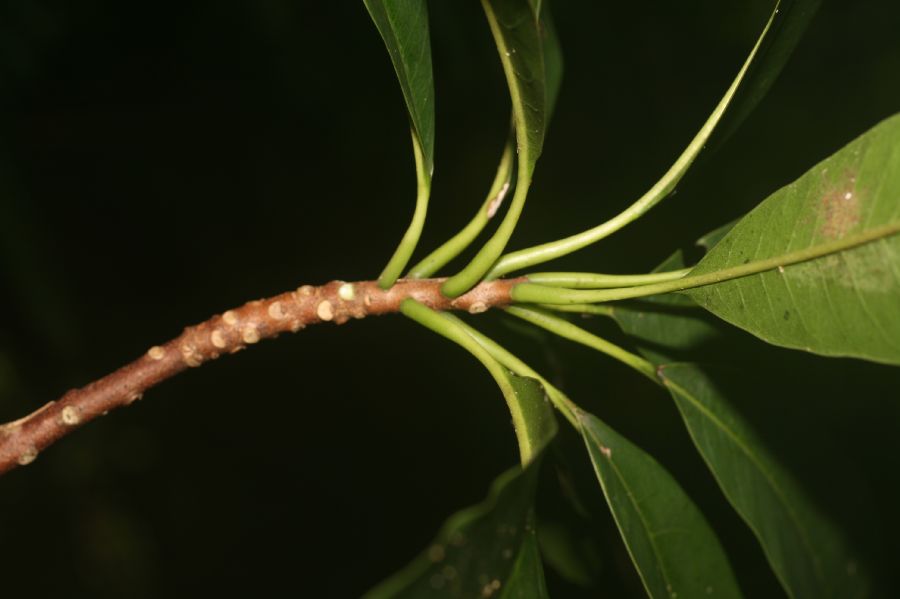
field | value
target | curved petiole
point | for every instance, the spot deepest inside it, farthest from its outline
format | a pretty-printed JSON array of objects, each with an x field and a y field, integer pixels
[
  {"x": 566, "y": 329},
  {"x": 410, "y": 239},
  {"x": 459, "y": 242},
  {"x": 548, "y": 251},
  {"x": 544, "y": 294}
]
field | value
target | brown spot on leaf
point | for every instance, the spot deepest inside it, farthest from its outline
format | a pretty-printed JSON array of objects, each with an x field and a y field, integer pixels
[{"x": 839, "y": 210}]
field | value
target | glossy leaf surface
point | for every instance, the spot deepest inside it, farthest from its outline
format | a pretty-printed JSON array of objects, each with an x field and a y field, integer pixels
[
  {"x": 670, "y": 542},
  {"x": 517, "y": 32},
  {"x": 403, "y": 25},
  {"x": 806, "y": 552},
  {"x": 520, "y": 35},
  {"x": 839, "y": 303},
  {"x": 659, "y": 191},
  {"x": 792, "y": 17}
]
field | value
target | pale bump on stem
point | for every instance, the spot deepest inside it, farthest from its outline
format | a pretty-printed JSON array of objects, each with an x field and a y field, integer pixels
[{"x": 22, "y": 440}]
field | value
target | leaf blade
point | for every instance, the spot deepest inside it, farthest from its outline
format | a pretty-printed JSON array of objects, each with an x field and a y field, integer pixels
[
  {"x": 480, "y": 551},
  {"x": 524, "y": 43},
  {"x": 403, "y": 26},
  {"x": 685, "y": 561},
  {"x": 791, "y": 21},
  {"x": 808, "y": 555},
  {"x": 840, "y": 304},
  {"x": 659, "y": 191},
  {"x": 517, "y": 33}
]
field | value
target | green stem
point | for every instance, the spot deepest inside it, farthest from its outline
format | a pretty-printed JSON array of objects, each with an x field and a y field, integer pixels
[
  {"x": 527, "y": 155},
  {"x": 451, "y": 330},
  {"x": 410, "y": 239},
  {"x": 566, "y": 329},
  {"x": 541, "y": 294},
  {"x": 554, "y": 249},
  {"x": 598, "y": 310},
  {"x": 487, "y": 255},
  {"x": 589, "y": 280},
  {"x": 499, "y": 353},
  {"x": 459, "y": 242}
]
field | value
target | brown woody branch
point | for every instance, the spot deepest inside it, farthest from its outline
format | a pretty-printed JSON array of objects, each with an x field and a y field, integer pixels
[{"x": 22, "y": 440}]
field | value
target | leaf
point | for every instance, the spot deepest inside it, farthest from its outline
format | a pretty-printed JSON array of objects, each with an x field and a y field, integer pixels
[
  {"x": 792, "y": 17},
  {"x": 553, "y": 63},
  {"x": 516, "y": 27},
  {"x": 526, "y": 581},
  {"x": 520, "y": 36},
  {"x": 805, "y": 550},
  {"x": 489, "y": 550},
  {"x": 532, "y": 414},
  {"x": 676, "y": 552},
  {"x": 660, "y": 190},
  {"x": 572, "y": 556},
  {"x": 843, "y": 215},
  {"x": 403, "y": 25}
]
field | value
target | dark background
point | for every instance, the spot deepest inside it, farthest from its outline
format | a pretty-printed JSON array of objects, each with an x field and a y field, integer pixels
[{"x": 161, "y": 162}]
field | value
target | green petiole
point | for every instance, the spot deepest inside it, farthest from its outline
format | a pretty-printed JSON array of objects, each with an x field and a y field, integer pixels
[
  {"x": 566, "y": 329},
  {"x": 410, "y": 239},
  {"x": 459, "y": 242},
  {"x": 543, "y": 294},
  {"x": 594, "y": 309},
  {"x": 451, "y": 329},
  {"x": 529, "y": 114},
  {"x": 588, "y": 280},
  {"x": 557, "y": 397},
  {"x": 548, "y": 251}
]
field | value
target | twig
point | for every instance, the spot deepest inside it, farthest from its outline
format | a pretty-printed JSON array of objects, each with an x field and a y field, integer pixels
[{"x": 22, "y": 440}]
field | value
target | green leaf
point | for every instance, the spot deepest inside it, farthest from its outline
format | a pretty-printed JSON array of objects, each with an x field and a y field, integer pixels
[
  {"x": 553, "y": 67},
  {"x": 676, "y": 552},
  {"x": 533, "y": 414},
  {"x": 571, "y": 555},
  {"x": 526, "y": 581},
  {"x": 807, "y": 553},
  {"x": 553, "y": 63},
  {"x": 517, "y": 31},
  {"x": 524, "y": 42},
  {"x": 659, "y": 191},
  {"x": 489, "y": 550},
  {"x": 403, "y": 25},
  {"x": 792, "y": 17},
  {"x": 837, "y": 303}
]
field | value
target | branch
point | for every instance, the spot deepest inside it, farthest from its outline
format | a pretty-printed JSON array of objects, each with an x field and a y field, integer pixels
[{"x": 22, "y": 440}]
